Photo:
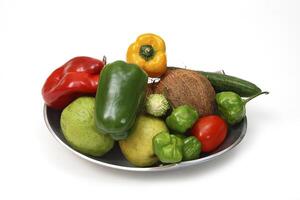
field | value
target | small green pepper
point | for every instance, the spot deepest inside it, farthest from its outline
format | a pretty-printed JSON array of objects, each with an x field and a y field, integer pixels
[
  {"x": 167, "y": 147},
  {"x": 181, "y": 136},
  {"x": 191, "y": 148},
  {"x": 182, "y": 118},
  {"x": 232, "y": 107}
]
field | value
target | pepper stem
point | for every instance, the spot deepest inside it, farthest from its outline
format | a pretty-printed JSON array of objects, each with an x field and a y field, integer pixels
[
  {"x": 147, "y": 52},
  {"x": 250, "y": 98},
  {"x": 104, "y": 60}
]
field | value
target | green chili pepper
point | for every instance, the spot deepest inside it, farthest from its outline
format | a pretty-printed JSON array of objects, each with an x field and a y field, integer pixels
[
  {"x": 168, "y": 148},
  {"x": 182, "y": 118},
  {"x": 191, "y": 148},
  {"x": 232, "y": 107}
]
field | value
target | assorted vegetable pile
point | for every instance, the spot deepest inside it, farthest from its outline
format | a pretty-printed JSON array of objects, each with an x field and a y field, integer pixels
[{"x": 177, "y": 118}]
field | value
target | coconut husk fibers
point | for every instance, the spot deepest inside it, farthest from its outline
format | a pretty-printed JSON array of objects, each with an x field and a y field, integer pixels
[{"x": 186, "y": 87}]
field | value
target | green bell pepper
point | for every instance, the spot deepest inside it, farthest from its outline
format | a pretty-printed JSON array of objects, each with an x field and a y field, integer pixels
[
  {"x": 191, "y": 148},
  {"x": 120, "y": 95},
  {"x": 232, "y": 107},
  {"x": 182, "y": 118},
  {"x": 167, "y": 147}
]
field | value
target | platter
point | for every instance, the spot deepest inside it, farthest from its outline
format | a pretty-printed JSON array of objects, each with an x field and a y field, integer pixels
[{"x": 115, "y": 159}]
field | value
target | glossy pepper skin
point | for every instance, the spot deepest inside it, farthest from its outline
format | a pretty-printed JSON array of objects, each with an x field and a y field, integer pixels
[
  {"x": 149, "y": 52},
  {"x": 191, "y": 148},
  {"x": 77, "y": 77},
  {"x": 167, "y": 147},
  {"x": 232, "y": 107},
  {"x": 120, "y": 94},
  {"x": 182, "y": 118}
]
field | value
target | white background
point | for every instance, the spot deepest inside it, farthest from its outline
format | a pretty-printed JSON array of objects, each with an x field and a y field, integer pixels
[{"x": 257, "y": 40}]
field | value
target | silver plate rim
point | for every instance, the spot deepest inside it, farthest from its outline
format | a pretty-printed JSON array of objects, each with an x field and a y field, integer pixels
[{"x": 143, "y": 169}]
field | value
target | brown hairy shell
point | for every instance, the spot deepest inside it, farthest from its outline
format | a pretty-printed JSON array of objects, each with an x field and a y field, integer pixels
[{"x": 186, "y": 87}]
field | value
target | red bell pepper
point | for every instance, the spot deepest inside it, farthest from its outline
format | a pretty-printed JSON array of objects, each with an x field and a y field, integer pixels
[{"x": 77, "y": 77}]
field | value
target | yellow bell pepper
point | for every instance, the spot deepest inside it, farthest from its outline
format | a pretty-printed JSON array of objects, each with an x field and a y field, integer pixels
[{"x": 149, "y": 52}]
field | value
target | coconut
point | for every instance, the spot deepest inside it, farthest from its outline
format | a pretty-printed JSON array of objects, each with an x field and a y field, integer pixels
[{"x": 186, "y": 87}]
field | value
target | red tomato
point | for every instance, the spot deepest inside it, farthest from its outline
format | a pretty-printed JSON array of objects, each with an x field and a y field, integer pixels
[{"x": 210, "y": 131}]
